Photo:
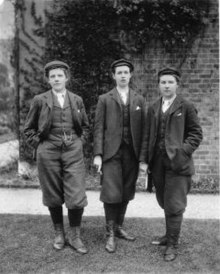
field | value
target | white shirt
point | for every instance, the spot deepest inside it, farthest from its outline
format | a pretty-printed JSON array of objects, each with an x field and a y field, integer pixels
[
  {"x": 60, "y": 97},
  {"x": 124, "y": 96},
  {"x": 167, "y": 103}
]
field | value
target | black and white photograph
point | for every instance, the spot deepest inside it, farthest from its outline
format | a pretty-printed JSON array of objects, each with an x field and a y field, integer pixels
[{"x": 109, "y": 137}]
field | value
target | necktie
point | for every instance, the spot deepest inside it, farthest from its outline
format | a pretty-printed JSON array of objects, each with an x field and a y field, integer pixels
[
  {"x": 124, "y": 97},
  {"x": 165, "y": 106},
  {"x": 60, "y": 98}
]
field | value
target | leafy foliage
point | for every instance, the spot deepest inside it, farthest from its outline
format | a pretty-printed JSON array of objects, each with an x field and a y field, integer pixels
[
  {"x": 90, "y": 34},
  {"x": 79, "y": 33},
  {"x": 174, "y": 22}
]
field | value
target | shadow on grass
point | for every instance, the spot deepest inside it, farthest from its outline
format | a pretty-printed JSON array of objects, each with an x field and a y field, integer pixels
[{"x": 26, "y": 247}]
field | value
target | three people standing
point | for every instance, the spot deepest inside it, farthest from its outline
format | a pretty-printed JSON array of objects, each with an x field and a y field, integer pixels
[{"x": 127, "y": 139}]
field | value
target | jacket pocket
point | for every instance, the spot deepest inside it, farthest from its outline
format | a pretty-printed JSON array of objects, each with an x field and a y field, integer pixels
[{"x": 180, "y": 161}]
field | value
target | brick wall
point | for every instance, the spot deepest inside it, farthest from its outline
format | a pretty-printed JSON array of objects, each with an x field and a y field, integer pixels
[{"x": 200, "y": 85}]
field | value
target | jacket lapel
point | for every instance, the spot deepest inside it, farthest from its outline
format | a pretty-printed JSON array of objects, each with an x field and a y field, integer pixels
[
  {"x": 74, "y": 110},
  {"x": 49, "y": 98},
  {"x": 175, "y": 105},
  {"x": 72, "y": 100},
  {"x": 132, "y": 100},
  {"x": 115, "y": 96},
  {"x": 66, "y": 101},
  {"x": 131, "y": 96},
  {"x": 156, "y": 109}
]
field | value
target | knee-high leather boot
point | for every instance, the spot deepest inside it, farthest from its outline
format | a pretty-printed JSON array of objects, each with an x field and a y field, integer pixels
[
  {"x": 110, "y": 244},
  {"x": 173, "y": 233},
  {"x": 56, "y": 214},
  {"x": 110, "y": 215},
  {"x": 75, "y": 241},
  {"x": 162, "y": 240},
  {"x": 59, "y": 240},
  {"x": 74, "y": 237},
  {"x": 119, "y": 231}
]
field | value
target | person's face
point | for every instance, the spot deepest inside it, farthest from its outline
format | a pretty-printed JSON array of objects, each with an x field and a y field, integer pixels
[
  {"x": 168, "y": 86},
  {"x": 122, "y": 76},
  {"x": 57, "y": 79}
]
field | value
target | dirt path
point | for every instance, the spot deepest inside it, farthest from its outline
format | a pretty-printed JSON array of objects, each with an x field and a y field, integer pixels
[{"x": 28, "y": 201}]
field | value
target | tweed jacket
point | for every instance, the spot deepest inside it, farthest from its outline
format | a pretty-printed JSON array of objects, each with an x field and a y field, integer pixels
[
  {"x": 183, "y": 134},
  {"x": 108, "y": 128},
  {"x": 39, "y": 118}
]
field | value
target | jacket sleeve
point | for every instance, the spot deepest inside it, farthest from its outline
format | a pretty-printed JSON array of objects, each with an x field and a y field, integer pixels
[
  {"x": 144, "y": 155},
  {"x": 193, "y": 131},
  {"x": 99, "y": 128},
  {"x": 85, "y": 124},
  {"x": 31, "y": 124}
]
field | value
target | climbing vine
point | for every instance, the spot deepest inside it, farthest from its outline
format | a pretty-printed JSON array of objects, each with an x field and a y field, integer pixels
[
  {"x": 175, "y": 23},
  {"x": 90, "y": 34}
]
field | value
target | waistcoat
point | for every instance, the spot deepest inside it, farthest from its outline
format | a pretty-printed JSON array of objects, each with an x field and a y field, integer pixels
[
  {"x": 160, "y": 142},
  {"x": 126, "y": 133},
  {"x": 62, "y": 123}
]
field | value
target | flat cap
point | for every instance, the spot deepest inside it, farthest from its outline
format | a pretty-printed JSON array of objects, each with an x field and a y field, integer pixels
[
  {"x": 122, "y": 62},
  {"x": 170, "y": 71},
  {"x": 55, "y": 64}
]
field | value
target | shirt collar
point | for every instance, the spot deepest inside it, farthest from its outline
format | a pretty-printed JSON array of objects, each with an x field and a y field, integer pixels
[
  {"x": 63, "y": 93},
  {"x": 170, "y": 101}
]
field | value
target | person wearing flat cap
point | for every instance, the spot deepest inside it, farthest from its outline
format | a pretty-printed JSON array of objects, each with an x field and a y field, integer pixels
[
  {"x": 119, "y": 149},
  {"x": 173, "y": 134},
  {"x": 56, "y": 128}
]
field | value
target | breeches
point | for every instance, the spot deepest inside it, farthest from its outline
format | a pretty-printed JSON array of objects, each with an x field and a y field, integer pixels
[
  {"x": 119, "y": 176},
  {"x": 171, "y": 188},
  {"x": 62, "y": 174}
]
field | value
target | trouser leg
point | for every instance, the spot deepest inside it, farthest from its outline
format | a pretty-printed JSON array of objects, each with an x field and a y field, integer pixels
[
  {"x": 50, "y": 174},
  {"x": 175, "y": 201},
  {"x": 74, "y": 176},
  {"x": 56, "y": 214},
  {"x": 158, "y": 174},
  {"x": 171, "y": 190},
  {"x": 74, "y": 239}
]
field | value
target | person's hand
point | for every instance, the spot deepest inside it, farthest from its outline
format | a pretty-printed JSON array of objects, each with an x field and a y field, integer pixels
[
  {"x": 143, "y": 167},
  {"x": 98, "y": 163}
]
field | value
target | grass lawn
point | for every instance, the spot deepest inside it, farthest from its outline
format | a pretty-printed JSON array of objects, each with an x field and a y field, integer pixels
[{"x": 26, "y": 247}]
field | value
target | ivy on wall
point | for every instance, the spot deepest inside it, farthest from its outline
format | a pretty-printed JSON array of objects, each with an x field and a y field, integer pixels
[
  {"x": 79, "y": 32},
  {"x": 176, "y": 23},
  {"x": 90, "y": 34}
]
